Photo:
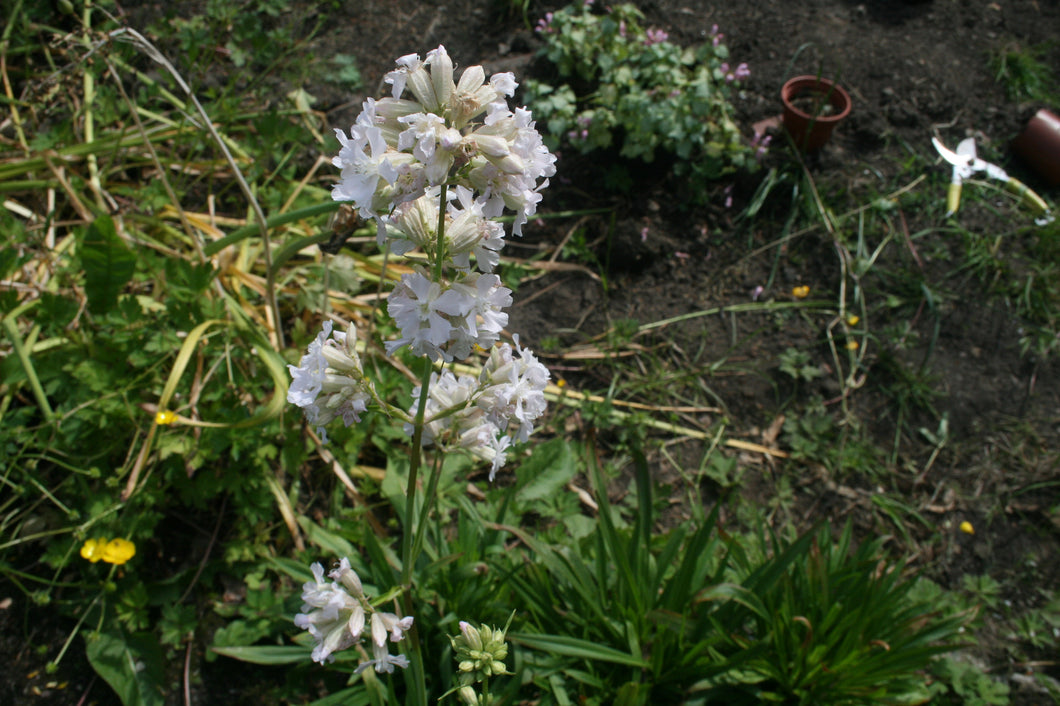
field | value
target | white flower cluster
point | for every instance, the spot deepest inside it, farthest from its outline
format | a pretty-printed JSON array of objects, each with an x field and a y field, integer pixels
[
  {"x": 337, "y": 613},
  {"x": 448, "y": 322},
  {"x": 440, "y": 156},
  {"x": 398, "y": 147},
  {"x": 396, "y": 159},
  {"x": 328, "y": 382},
  {"x": 484, "y": 416}
]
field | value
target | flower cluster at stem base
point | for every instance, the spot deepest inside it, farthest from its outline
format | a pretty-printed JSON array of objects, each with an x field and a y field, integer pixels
[{"x": 337, "y": 614}]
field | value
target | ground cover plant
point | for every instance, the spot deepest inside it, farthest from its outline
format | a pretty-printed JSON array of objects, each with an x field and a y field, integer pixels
[{"x": 758, "y": 477}]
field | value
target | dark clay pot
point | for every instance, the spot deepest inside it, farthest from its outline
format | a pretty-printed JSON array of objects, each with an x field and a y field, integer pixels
[
  {"x": 1039, "y": 145},
  {"x": 813, "y": 106}
]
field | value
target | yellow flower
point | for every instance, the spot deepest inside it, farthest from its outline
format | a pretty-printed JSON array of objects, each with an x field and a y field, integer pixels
[
  {"x": 967, "y": 528},
  {"x": 561, "y": 383},
  {"x": 118, "y": 551},
  {"x": 800, "y": 292},
  {"x": 165, "y": 417},
  {"x": 853, "y": 320},
  {"x": 852, "y": 345},
  {"x": 92, "y": 549}
]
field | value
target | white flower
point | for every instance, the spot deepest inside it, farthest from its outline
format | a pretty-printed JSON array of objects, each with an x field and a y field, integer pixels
[
  {"x": 383, "y": 623},
  {"x": 441, "y": 75},
  {"x": 432, "y": 142},
  {"x": 409, "y": 66},
  {"x": 384, "y": 661},
  {"x": 470, "y": 233},
  {"x": 513, "y": 180},
  {"x": 483, "y": 319},
  {"x": 514, "y": 396},
  {"x": 308, "y": 377},
  {"x": 345, "y": 575},
  {"x": 420, "y": 308},
  {"x": 485, "y": 417},
  {"x": 334, "y": 623},
  {"x": 504, "y": 83},
  {"x": 447, "y": 393},
  {"x": 363, "y": 161},
  {"x": 487, "y": 443},
  {"x": 432, "y": 89},
  {"x": 414, "y": 225},
  {"x": 336, "y": 619},
  {"x": 448, "y": 321},
  {"x": 329, "y": 383}
]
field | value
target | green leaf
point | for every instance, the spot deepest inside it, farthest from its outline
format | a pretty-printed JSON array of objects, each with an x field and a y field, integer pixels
[
  {"x": 132, "y": 665},
  {"x": 354, "y": 696},
  {"x": 329, "y": 542},
  {"x": 108, "y": 264},
  {"x": 573, "y": 647},
  {"x": 266, "y": 654},
  {"x": 297, "y": 570},
  {"x": 551, "y": 467}
]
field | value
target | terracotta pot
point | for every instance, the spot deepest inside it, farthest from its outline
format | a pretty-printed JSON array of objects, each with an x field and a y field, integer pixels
[
  {"x": 1039, "y": 145},
  {"x": 810, "y": 131}
]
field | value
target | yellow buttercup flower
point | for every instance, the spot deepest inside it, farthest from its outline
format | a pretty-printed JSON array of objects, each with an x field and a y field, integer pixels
[
  {"x": 800, "y": 292},
  {"x": 853, "y": 320},
  {"x": 165, "y": 417},
  {"x": 852, "y": 345},
  {"x": 92, "y": 549},
  {"x": 967, "y": 528},
  {"x": 118, "y": 551}
]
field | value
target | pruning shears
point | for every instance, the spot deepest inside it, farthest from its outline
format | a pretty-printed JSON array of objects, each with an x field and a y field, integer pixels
[{"x": 966, "y": 164}]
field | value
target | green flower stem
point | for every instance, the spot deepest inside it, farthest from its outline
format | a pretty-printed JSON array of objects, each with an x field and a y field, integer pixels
[
  {"x": 425, "y": 511},
  {"x": 416, "y": 682},
  {"x": 412, "y": 539}
]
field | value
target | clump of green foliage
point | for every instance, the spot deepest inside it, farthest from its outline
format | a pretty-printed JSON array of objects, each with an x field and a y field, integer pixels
[
  {"x": 1025, "y": 72},
  {"x": 621, "y": 85}
]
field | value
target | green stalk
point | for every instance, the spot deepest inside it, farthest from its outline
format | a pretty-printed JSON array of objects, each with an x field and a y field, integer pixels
[
  {"x": 73, "y": 633},
  {"x": 27, "y": 366},
  {"x": 417, "y": 681},
  {"x": 428, "y": 501},
  {"x": 13, "y": 20},
  {"x": 90, "y": 123},
  {"x": 412, "y": 539}
]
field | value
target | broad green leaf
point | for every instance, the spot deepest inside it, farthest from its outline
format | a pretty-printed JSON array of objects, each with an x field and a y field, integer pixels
[
  {"x": 551, "y": 466},
  {"x": 132, "y": 665},
  {"x": 108, "y": 264}
]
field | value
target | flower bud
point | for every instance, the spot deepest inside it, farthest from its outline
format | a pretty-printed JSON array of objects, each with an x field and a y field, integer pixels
[
  {"x": 471, "y": 635},
  {"x": 348, "y": 578}
]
